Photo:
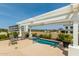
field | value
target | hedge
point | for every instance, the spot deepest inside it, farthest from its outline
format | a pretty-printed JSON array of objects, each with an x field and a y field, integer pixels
[{"x": 3, "y": 37}]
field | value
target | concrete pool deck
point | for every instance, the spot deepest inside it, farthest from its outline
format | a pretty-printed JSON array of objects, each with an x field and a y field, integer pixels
[{"x": 28, "y": 48}]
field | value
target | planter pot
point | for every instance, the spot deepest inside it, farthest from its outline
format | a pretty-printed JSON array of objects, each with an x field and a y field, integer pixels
[{"x": 66, "y": 44}]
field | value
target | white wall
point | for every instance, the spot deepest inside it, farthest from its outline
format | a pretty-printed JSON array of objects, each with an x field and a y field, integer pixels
[{"x": 73, "y": 51}]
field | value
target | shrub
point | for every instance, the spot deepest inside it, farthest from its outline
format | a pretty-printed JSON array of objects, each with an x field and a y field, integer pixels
[
  {"x": 15, "y": 34},
  {"x": 61, "y": 37},
  {"x": 34, "y": 34},
  {"x": 44, "y": 35},
  {"x": 65, "y": 38},
  {"x": 41, "y": 35},
  {"x": 3, "y": 37},
  {"x": 47, "y": 36},
  {"x": 68, "y": 38},
  {"x": 8, "y": 35}
]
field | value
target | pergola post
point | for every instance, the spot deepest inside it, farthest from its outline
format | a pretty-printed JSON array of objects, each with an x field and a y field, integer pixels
[
  {"x": 26, "y": 28},
  {"x": 75, "y": 34},
  {"x": 30, "y": 33},
  {"x": 74, "y": 49},
  {"x": 20, "y": 32}
]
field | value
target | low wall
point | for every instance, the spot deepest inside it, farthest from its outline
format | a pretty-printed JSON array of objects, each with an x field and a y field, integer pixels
[{"x": 73, "y": 51}]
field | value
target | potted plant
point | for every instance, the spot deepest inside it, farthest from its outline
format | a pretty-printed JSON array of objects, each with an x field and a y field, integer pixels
[
  {"x": 26, "y": 35},
  {"x": 66, "y": 39},
  {"x": 15, "y": 34}
]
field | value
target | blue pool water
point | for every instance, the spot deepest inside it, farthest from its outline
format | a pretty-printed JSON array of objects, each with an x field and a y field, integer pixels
[{"x": 44, "y": 41}]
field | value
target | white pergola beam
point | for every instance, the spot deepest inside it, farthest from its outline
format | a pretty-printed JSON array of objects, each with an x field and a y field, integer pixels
[{"x": 56, "y": 13}]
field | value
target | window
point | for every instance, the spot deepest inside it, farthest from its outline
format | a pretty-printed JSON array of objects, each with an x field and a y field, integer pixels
[
  {"x": 22, "y": 28},
  {"x": 66, "y": 31},
  {"x": 66, "y": 27},
  {"x": 71, "y": 32},
  {"x": 71, "y": 27}
]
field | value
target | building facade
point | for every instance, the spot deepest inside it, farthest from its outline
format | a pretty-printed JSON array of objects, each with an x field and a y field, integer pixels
[
  {"x": 14, "y": 28},
  {"x": 68, "y": 29}
]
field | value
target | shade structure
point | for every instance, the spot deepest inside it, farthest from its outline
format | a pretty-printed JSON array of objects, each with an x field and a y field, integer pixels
[
  {"x": 56, "y": 13},
  {"x": 59, "y": 15},
  {"x": 65, "y": 15}
]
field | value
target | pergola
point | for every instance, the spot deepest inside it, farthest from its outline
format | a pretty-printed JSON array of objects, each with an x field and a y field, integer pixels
[{"x": 65, "y": 15}]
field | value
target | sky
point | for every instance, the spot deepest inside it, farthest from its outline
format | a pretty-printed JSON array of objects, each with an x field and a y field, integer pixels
[{"x": 10, "y": 13}]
